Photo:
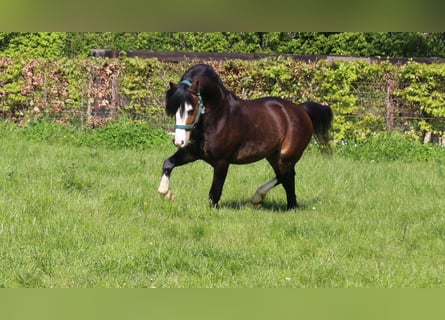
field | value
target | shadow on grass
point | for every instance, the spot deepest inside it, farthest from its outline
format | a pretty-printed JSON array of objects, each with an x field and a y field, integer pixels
[{"x": 268, "y": 205}]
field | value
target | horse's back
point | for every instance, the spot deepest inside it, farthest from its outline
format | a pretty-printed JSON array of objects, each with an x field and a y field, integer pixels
[
  {"x": 277, "y": 125},
  {"x": 279, "y": 112}
]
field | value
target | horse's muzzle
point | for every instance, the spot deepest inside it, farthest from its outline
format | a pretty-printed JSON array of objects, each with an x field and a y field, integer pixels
[{"x": 179, "y": 143}]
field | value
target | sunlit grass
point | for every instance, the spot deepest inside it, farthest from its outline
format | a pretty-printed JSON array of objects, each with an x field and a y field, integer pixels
[{"x": 76, "y": 216}]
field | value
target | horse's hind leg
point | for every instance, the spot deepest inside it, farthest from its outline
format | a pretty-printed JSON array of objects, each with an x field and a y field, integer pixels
[
  {"x": 285, "y": 174},
  {"x": 260, "y": 194},
  {"x": 288, "y": 181}
]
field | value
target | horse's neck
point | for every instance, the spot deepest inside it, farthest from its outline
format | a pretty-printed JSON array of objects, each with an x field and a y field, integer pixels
[{"x": 218, "y": 99}]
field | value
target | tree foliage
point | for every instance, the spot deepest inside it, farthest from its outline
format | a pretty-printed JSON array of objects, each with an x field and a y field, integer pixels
[{"x": 80, "y": 44}]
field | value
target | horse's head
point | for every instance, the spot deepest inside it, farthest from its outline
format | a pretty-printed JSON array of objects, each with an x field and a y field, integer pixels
[{"x": 184, "y": 101}]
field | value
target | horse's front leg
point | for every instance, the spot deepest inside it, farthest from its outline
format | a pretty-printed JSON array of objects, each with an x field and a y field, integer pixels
[
  {"x": 181, "y": 157},
  {"x": 219, "y": 177}
]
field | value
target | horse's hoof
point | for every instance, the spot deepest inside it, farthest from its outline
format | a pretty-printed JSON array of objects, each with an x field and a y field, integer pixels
[
  {"x": 167, "y": 194},
  {"x": 214, "y": 205},
  {"x": 257, "y": 200},
  {"x": 257, "y": 205}
]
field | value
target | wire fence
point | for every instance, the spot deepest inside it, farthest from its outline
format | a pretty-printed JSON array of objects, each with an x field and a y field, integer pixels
[
  {"x": 91, "y": 93},
  {"x": 88, "y": 113}
]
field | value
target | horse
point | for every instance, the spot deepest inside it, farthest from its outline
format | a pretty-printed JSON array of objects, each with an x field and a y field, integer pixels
[{"x": 214, "y": 125}]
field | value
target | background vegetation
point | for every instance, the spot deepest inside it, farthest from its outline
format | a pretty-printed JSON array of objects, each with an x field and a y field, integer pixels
[
  {"x": 51, "y": 75},
  {"x": 367, "y": 98},
  {"x": 79, "y": 44}
]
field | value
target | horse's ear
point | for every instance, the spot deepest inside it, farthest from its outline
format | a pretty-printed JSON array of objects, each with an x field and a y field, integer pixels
[
  {"x": 195, "y": 85},
  {"x": 173, "y": 85}
]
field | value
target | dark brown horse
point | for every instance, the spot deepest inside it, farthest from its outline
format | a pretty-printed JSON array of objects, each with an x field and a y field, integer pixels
[{"x": 216, "y": 126}]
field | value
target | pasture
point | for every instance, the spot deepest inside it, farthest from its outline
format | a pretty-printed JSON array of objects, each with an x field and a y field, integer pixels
[{"x": 76, "y": 215}]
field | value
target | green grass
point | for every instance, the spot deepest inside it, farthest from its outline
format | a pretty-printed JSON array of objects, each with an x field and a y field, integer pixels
[{"x": 76, "y": 215}]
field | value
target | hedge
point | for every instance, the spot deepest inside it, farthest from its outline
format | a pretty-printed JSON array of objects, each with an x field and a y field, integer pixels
[{"x": 366, "y": 98}]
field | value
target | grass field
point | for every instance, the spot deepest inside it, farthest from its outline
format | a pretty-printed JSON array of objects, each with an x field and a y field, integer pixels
[{"x": 75, "y": 215}]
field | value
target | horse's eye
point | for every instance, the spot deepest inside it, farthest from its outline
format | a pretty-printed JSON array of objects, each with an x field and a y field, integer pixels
[{"x": 190, "y": 112}]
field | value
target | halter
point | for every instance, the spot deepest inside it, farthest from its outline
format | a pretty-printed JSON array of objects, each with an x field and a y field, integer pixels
[{"x": 201, "y": 110}]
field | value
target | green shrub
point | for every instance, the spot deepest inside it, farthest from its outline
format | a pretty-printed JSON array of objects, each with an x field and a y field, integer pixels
[
  {"x": 114, "y": 135},
  {"x": 48, "y": 131},
  {"x": 124, "y": 134},
  {"x": 65, "y": 90},
  {"x": 390, "y": 146}
]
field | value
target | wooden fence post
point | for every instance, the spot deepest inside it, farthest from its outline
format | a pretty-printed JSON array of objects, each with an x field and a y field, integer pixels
[
  {"x": 103, "y": 92},
  {"x": 114, "y": 103},
  {"x": 89, "y": 96},
  {"x": 390, "y": 108}
]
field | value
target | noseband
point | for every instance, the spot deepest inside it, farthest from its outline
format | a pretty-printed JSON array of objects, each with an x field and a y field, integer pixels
[{"x": 201, "y": 110}]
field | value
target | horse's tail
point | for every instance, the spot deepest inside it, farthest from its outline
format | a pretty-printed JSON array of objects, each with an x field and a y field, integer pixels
[{"x": 321, "y": 117}]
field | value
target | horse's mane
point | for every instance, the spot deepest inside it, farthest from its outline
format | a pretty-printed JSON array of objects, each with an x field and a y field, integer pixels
[{"x": 177, "y": 95}]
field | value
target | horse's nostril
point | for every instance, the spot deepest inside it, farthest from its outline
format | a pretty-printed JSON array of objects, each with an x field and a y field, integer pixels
[{"x": 179, "y": 143}]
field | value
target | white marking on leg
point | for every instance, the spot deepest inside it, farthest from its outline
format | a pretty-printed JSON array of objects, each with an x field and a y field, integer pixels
[
  {"x": 164, "y": 186},
  {"x": 262, "y": 191}
]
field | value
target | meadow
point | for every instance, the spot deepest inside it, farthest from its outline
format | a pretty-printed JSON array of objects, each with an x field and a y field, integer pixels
[{"x": 81, "y": 209}]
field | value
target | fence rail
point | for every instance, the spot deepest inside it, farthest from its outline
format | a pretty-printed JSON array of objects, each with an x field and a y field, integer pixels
[{"x": 176, "y": 57}]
